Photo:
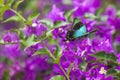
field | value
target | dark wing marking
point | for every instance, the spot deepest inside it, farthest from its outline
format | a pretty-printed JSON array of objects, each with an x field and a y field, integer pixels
[
  {"x": 77, "y": 25},
  {"x": 69, "y": 35}
]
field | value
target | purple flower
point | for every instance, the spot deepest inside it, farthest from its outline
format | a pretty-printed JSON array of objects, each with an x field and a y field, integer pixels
[
  {"x": 11, "y": 50},
  {"x": 55, "y": 14},
  {"x": 111, "y": 12},
  {"x": 82, "y": 8},
  {"x": 30, "y": 30},
  {"x": 2, "y": 69},
  {"x": 32, "y": 49},
  {"x": 37, "y": 29},
  {"x": 15, "y": 68},
  {"x": 90, "y": 24},
  {"x": 118, "y": 68},
  {"x": 10, "y": 37},
  {"x": 97, "y": 71},
  {"x": 58, "y": 1},
  {"x": 86, "y": 47},
  {"x": 118, "y": 57},
  {"x": 59, "y": 32},
  {"x": 76, "y": 75},
  {"x": 36, "y": 67},
  {"x": 8, "y": 25},
  {"x": 117, "y": 39},
  {"x": 102, "y": 45},
  {"x": 8, "y": 14},
  {"x": 115, "y": 22},
  {"x": 105, "y": 32}
]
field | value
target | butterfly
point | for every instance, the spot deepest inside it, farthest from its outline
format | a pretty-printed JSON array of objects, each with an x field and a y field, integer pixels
[{"x": 78, "y": 30}]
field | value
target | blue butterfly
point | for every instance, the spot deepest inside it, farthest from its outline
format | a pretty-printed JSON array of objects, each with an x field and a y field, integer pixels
[{"x": 78, "y": 30}]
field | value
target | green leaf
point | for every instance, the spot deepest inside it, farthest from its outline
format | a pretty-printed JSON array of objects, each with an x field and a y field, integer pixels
[
  {"x": 58, "y": 77},
  {"x": 12, "y": 18},
  {"x": 111, "y": 57},
  {"x": 1, "y": 41},
  {"x": 83, "y": 66},
  {"x": 69, "y": 13},
  {"x": 17, "y": 4},
  {"x": 90, "y": 15},
  {"x": 30, "y": 41},
  {"x": 118, "y": 13},
  {"x": 69, "y": 68},
  {"x": 47, "y": 22},
  {"x": 60, "y": 24},
  {"x": 111, "y": 71},
  {"x": 6, "y": 75},
  {"x": 58, "y": 53},
  {"x": 10, "y": 2},
  {"x": 41, "y": 51},
  {"x": 32, "y": 17},
  {"x": 99, "y": 11},
  {"x": 7, "y": 61},
  {"x": 48, "y": 33},
  {"x": 1, "y": 3},
  {"x": 2, "y": 10},
  {"x": 100, "y": 55},
  {"x": 105, "y": 56},
  {"x": 51, "y": 40},
  {"x": 103, "y": 18},
  {"x": 21, "y": 34}
]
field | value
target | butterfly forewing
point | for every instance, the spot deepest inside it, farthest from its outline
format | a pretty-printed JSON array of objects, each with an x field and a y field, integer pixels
[
  {"x": 77, "y": 26},
  {"x": 80, "y": 32}
]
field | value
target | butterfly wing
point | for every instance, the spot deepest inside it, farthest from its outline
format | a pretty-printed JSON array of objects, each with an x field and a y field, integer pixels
[
  {"x": 81, "y": 31},
  {"x": 78, "y": 30},
  {"x": 78, "y": 26},
  {"x": 69, "y": 35}
]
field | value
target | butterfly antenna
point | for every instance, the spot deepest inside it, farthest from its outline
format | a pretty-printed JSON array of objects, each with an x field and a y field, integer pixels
[{"x": 94, "y": 30}]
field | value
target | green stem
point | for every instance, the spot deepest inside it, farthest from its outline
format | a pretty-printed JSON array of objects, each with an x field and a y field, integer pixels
[
  {"x": 18, "y": 15},
  {"x": 4, "y": 43},
  {"x": 63, "y": 71},
  {"x": 52, "y": 56}
]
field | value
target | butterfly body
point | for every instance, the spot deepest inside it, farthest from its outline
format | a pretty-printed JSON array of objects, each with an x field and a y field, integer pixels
[{"x": 78, "y": 30}]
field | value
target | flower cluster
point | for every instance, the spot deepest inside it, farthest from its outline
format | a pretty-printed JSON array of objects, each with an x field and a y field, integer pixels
[{"x": 41, "y": 51}]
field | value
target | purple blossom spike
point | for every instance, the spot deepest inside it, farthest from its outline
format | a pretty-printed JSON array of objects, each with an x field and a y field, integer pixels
[
  {"x": 32, "y": 49},
  {"x": 37, "y": 29},
  {"x": 111, "y": 12},
  {"x": 55, "y": 14},
  {"x": 11, "y": 50},
  {"x": 102, "y": 45}
]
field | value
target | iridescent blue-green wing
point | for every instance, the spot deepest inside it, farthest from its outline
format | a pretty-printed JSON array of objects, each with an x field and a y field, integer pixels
[
  {"x": 78, "y": 30},
  {"x": 81, "y": 31}
]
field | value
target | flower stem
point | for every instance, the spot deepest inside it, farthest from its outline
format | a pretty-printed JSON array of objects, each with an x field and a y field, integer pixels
[
  {"x": 18, "y": 15},
  {"x": 52, "y": 56},
  {"x": 4, "y": 43},
  {"x": 63, "y": 71}
]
